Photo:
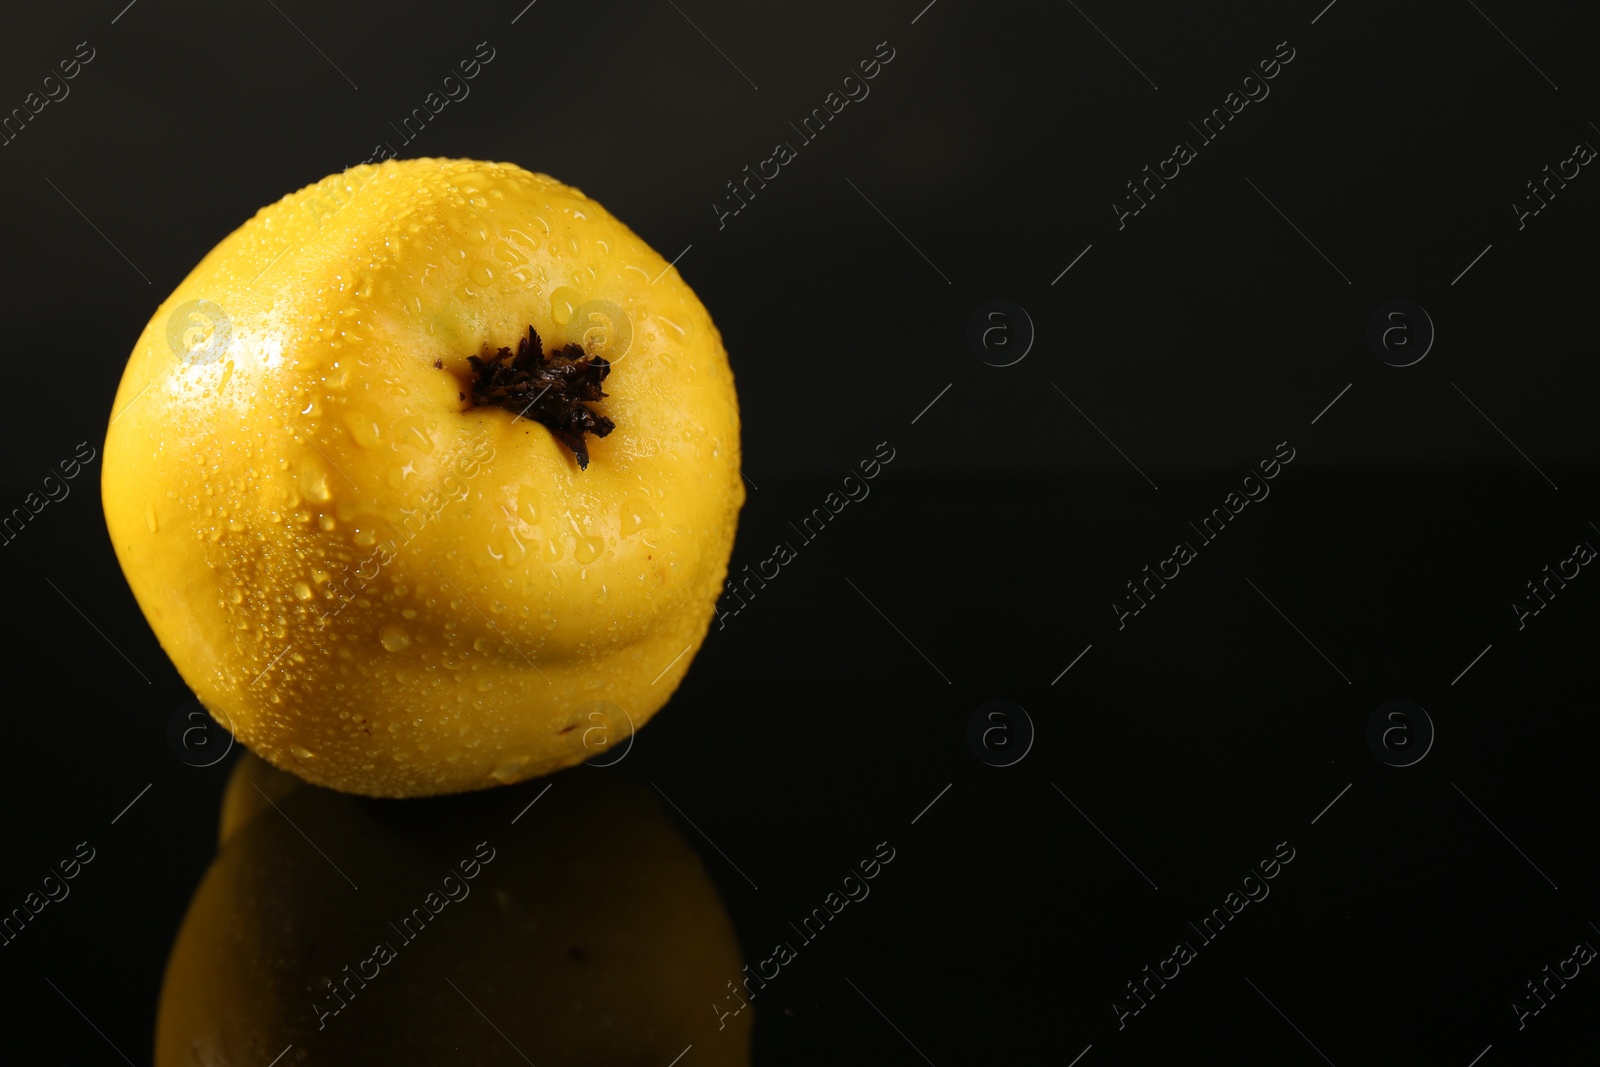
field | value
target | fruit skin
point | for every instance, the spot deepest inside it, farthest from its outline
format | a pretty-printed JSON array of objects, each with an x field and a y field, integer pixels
[
  {"x": 592, "y": 935},
  {"x": 372, "y": 584}
]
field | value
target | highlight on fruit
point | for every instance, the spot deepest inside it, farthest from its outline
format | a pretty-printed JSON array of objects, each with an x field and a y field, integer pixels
[{"x": 426, "y": 477}]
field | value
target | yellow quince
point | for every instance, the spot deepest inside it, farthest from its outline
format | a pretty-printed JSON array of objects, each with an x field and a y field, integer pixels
[{"x": 427, "y": 477}]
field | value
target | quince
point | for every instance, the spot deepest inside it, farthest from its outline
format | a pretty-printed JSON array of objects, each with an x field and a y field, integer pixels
[{"x": 427, "y": 477}]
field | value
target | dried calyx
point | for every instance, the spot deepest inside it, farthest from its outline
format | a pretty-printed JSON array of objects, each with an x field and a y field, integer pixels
[{"x": 550, "y": 390}]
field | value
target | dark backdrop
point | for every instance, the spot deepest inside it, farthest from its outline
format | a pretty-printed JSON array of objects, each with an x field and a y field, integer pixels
[
  {"x": 996, "y": 142},
  {"x": 1171, "y": 350}
]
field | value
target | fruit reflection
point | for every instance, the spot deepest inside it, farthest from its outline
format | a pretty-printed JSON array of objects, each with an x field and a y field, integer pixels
[{"x": 357, "y": 931}]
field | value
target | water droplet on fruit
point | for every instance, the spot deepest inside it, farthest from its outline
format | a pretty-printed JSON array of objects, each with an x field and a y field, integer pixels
[
  {"x": 506, "y": 547},
  {"x": 150, "y": 517},
  {"x": 302, "y": 591},
  {"x": 364, "y": 428},
  {"x": 589, "y": 549},
  {"x": 394, "y": 638},
  {"x": 314, "y": 483},
  {"x": 563, "y": 302},
  {"x": 510, "y": 770},
  {"x": 637, "y": 514},
  {"x": 414, "y": 433},
  {"x": 528, "y": 504},
  {"x": 301, "y": 752}
]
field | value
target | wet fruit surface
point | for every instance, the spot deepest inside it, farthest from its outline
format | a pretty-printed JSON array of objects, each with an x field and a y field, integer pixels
[{"x": 374, "y": 581}]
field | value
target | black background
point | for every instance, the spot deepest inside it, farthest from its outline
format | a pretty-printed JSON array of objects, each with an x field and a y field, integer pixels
[{"x": 825, "y": 717}]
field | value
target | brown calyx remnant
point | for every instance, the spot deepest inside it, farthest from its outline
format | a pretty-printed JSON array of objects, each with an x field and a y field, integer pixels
[{"x": 550, "y": 390}]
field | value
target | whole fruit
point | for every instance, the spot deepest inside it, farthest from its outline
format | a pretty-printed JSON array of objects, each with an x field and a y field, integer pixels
[{"x": 426, "y": 478}]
